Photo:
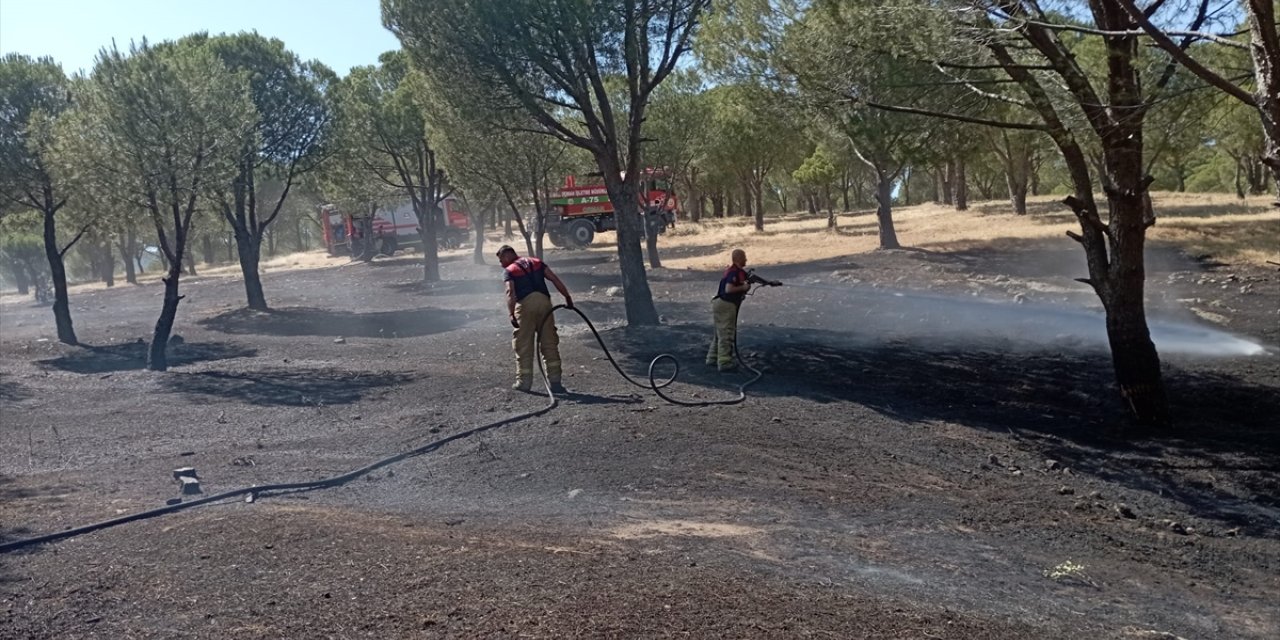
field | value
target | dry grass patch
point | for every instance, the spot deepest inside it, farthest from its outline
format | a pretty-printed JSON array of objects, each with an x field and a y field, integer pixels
[{"x": 1217, "y": 224}]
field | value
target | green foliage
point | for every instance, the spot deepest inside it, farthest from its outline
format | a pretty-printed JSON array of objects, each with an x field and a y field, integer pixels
[
  {"x": 817, "y": 170},
  {"x": 381, "y": 144},
  {"x": 752, "y": 131},
  {"x": 159, "y": 129},
  {"x": 555, "y": 59},
  {"x": 33, "y": 94}
]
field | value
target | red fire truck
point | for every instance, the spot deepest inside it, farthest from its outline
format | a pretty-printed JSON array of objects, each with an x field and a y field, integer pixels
[
  {"x": 579, "y": 212},
  {"x": 388, "y": 229}
]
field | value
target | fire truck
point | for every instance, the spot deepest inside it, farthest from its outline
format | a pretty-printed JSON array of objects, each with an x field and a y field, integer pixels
[
  {"x": 579, "y": 212},
  {"x": 387, "y": 230}
]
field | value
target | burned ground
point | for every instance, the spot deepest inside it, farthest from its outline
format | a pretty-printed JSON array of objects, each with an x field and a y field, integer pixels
[{"x": 936, "y": 449}]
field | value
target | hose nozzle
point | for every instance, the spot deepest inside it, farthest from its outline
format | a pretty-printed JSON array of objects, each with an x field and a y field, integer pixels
[{"x": 755, "y": 279}]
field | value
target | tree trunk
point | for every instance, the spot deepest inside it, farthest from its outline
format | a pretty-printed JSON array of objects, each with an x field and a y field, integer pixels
[
  {"x": 1018, "y": 196},
  {"x": 884, "y": 214},
  {"x": 107, "y": 262},
  {"x": 20, "y": 278},
  {"x": 693, "y": 201},
  {"x": 1033, "y": 173},
  {"x": 507, "y": 233},
  {"x": 1016, "y": 179},
  {"x": 1266, "y": 75},
  {"x": 1257, "y": 177},
  {"x": 249, "y": 250},
  {"x": 190, "y": 261},
  {"x": 906, "y": 187},
  {"x": 157, "y": 356},
  {"x": 540, "y": 232},
  {"x": 1239, "y": 186},
  {"x": 961, "y": 186},
  {"x": 57, "y": 273},
  {"x": 127, "y": 245},
  {"x": 1133, "y": 354},
  {"x": 831, "y": 209},
  {"x": 717, "y": 204},
  {"x": 525, "y": 232},
  {"x": 651, "y": 244},
  {"x": 637, "y": 296},
  {"x": 948, "y": 178},
  {"x": 427, "y": 232},
  {"x": 758, "y": 192},
  {"x": 477, "y": 226},
  {"x": 206, "y": 249}
]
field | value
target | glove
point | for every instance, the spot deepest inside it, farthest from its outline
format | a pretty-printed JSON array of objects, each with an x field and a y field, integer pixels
[{"x": 515, "y": 323}]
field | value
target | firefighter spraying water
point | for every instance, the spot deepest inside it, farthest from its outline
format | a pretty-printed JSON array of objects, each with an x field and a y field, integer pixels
[{"x": 735, "y": 284}]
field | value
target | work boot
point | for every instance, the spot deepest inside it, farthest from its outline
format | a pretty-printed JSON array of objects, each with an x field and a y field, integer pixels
[
  {"x": 522, "y": 385},
  {"x": 556, "y": 387},
  {"x": 728, "y": 368}
]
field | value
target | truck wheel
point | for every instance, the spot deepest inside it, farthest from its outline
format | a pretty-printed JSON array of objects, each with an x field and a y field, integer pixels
[
  {"x": 581, "y": 233},
  {"x": 389, "y": 246},
  {"x": 556, "y": 239}
]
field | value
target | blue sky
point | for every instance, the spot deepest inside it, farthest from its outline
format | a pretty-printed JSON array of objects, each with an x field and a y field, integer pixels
[{"x": 339, "y": 33}]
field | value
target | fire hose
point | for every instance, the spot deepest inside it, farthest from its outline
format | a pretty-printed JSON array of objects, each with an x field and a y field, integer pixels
[{"x": 252, "y": 493}]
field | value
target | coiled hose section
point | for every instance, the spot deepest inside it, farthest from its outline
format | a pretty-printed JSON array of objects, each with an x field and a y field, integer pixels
[
  {"x": 334, "y": 481},
  {"x": 656, "y": 386}
]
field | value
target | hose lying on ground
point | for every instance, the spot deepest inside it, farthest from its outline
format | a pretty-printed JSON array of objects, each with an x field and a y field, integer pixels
[
  {"x": 552, "y": 403},
  {"x": 656, "y": 386}
]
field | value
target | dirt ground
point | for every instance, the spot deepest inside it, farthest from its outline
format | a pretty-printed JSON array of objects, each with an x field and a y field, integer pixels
[{"x": 936, "y": 450}]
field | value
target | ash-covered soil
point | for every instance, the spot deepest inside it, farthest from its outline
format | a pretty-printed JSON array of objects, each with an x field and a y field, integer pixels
[{"x": 936, "y": 449}]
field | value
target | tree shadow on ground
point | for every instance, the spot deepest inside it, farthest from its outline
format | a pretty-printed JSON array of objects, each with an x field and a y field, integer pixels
[
  {"x": 286, "y": 387},
  {"x": 305, "y": 321},
  {"x": 1065, "y": 402},
  {"x": 1051, "y": 211},
  {"x": 1040, "y": 258},
  {"x": 843, "y": 229},
  {"x": 693, "y": 251},
  {"x": 574, "y": 257},
  {"x": 450, "y": 287},
  {"x": 132, "y": 356},
  {"x": 11, "y": 390},
  {"x": 10, "y": 494}
]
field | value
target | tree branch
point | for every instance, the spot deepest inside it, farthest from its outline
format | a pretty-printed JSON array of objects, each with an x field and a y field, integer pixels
[
  {"x": 74, "y": 240},
  {"x": 1022, "y": 126},
  {"x": 1189, "y": 34},
  {"x": 1183, "y": 57}
]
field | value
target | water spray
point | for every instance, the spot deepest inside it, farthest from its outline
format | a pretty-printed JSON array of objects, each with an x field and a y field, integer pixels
[{"x": 1035, "y": 323}]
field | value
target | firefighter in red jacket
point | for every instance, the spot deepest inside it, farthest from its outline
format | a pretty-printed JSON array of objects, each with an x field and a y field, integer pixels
[
  {"x": 529, "y": 306},
  {"x": 734, "y": 285}
]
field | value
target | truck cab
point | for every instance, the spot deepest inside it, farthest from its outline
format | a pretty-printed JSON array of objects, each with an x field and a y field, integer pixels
[{"x": 579, "y": 211}]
